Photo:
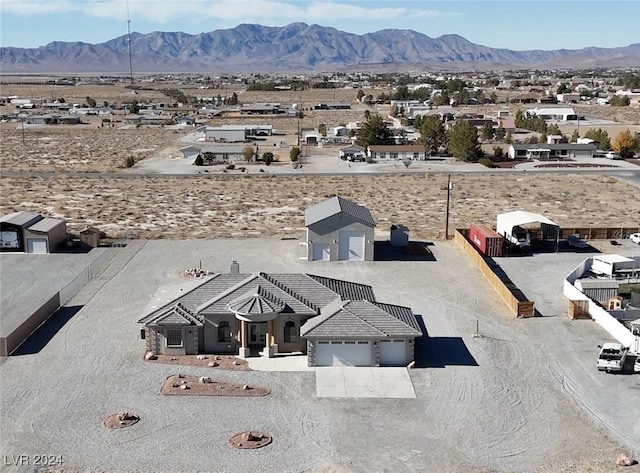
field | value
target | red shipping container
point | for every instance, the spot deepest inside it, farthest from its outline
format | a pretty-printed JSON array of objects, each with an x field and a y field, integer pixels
[{"x": 486, "y": 240}]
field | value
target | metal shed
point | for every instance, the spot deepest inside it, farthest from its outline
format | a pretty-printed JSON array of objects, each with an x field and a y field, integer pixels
[
  {"x": 600, "y": 290},
  {"x": 30, "y": 232}
]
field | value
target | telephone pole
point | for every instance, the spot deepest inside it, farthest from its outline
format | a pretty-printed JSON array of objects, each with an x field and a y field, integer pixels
[{"x": 446, "y": 223}]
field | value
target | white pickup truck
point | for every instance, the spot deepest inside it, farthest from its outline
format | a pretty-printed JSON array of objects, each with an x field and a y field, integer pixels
[{"x": 612, "y": 357}]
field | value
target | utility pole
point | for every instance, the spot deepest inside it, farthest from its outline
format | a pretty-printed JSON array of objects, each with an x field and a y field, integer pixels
[
  {"x": 129, "y": 41},
  {"x": 446, "y": 224}
]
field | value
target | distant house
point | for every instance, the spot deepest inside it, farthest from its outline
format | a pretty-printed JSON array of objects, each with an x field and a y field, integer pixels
[
  {"x": 554, "y": 113},
  {"x": 397, "y": 152},
  {"x": 339, "y": 229},
  {"x": 551, "y": 151},
  {"x": 332, "y": 106},
  {"x": 260, "y": 109},
  {"x": 352, "y": 153},
  {"x": 220, "y": 154},
  {"x": 236, "y": 133},
  {"x": 52, "y": 119}
]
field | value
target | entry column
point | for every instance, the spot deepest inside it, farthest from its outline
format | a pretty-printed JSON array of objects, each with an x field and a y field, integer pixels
[{"x": 244, "y": 349}]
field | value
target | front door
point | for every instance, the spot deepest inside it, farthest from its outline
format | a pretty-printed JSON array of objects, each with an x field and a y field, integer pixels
[{"x": 257, "y": 333}]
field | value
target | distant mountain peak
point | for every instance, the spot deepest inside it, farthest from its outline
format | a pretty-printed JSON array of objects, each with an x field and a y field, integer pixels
[{"x": 296, "y": 46}]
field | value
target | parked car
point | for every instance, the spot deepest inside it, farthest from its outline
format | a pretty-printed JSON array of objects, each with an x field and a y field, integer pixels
[
  {"x": 612, "y": 155},
  {"x": 612, "y": 357},
  {"x": 635, "y": 237},
  {"x": 576, "y": 242}
]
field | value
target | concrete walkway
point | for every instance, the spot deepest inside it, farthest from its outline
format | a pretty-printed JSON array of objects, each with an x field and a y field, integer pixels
[
  {"x": 279, "y": 363},
  {"x": 355, "y": 382}
]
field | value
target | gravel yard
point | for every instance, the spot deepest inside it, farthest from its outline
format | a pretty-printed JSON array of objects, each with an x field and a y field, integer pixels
[{"x": 484, "y": 404}]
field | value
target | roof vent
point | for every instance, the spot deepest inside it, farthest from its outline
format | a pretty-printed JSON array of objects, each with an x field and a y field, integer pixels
[{"x": 235, "y": 267}]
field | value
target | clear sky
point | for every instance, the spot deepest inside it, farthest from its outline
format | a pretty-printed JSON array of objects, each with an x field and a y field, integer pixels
[{"x": 513, "y": 24}]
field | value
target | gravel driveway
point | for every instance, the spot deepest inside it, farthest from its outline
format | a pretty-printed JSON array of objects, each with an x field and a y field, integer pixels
[{"x": 484, "y": 404}]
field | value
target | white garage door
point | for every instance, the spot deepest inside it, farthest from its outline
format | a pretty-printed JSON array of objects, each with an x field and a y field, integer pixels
[
  {"x": 343, "y": 353},
  {"x": 321, "y": 252},
  {"x": 351, "y": 245},
  {"x": 36, "y": 245},
  {"x": 393, "y": 352}
]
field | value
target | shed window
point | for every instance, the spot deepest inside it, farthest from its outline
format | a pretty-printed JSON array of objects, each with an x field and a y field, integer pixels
[
  {"x": 174, "y": 338},
  {"x": 224, "y": 332},
  {"x": 290, "y": 332}
]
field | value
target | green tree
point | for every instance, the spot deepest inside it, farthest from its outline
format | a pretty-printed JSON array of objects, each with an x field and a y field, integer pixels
[
  {"x": 441, "y": 99},
  {"x": 553, "y": 129},
  {"x": 374, "y": 132},
  {"x": 623, "y": 144},
  {"x": 90, "y": 102},
  {"x": 359, "y": 95},
  {"x": 574, "y": 136},
  {"x": 463, "y": 141},
  {"x": 563, "y": 89},
  {"x": 234, "y": 99},
  {"x": 498, "y": 152},
  {"x": 393, "y": 111},
  {"x": 134, "y": 108},
  {"x": 508, "y": 138},
  {"x": 294, "y": 154},
  {"x": 619, "y": 101},
  {"x": 248, "y": 152},
  {"x": 487, "y": 132},
  {"x": 500, "y": 133},
  {"x": 199, "y": 160},
  {"x": 322, "y": 129},
  {"x": 432, "y": 133},
  {"x": 267, "y": 157},
  {"x": 600, "y": 136}
]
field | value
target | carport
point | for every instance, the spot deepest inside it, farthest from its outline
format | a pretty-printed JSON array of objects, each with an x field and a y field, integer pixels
[{"x": 508, "y": 223}]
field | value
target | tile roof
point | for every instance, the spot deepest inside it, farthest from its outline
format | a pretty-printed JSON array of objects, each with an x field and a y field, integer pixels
[
  {"x": 176, "y": 314},
  {"x": 258, "y": 301},
  {"x": 347, "y": 290},
  {"x": 347, "y": 309},
  {"x": 293, "y": 303},
  {"x": 361, "y": 319},
  {"x": 334, "y": 206}
]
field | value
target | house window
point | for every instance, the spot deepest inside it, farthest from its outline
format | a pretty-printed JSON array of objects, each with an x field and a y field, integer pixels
[
  {"x": 224, "y": 332},
  {"x": 174, "y": 338},
  {"x": 290, "y": 332}
]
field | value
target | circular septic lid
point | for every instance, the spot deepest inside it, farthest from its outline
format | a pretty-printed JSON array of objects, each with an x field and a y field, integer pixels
[{"x": 250, "y": 439}]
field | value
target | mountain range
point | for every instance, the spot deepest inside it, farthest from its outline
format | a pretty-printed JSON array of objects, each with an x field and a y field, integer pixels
[{"x": 296, "y": 47}]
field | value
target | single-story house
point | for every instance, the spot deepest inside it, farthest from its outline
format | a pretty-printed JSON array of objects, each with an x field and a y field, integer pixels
[
  {"x": 217, "y": 154},
  {"x": 30, "y": 232},
  {"x": 395, "y": 152},
  {"x": 554, "y": 113},
  {"x": 260, "y": 108},
  {"x": 52, "y": 119},
  {"x": 352, "y": 153},
  {"x": 551, "y": 150},
  {"x": 339, "y": 229},
  {"x": 335, "y": 322},
  {"x": 236, "y": 133}
]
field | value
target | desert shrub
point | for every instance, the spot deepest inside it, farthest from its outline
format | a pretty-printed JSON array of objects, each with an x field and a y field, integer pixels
[
  {"x": 486, "y": 162},
  {"x": 199, "y": 161},
  {"x": 129, "y": 161},
  {"x": 231, "y": 166},
  {"x": 498, "y": 152}
]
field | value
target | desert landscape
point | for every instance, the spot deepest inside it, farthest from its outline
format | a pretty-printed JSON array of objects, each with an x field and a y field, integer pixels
[
  {"x": 273, "y": 206},
  {"x": 51, "y": 169}
]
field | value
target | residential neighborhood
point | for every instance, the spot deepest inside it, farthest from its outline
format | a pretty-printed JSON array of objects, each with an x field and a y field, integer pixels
[{"x": 378, "y": 266}]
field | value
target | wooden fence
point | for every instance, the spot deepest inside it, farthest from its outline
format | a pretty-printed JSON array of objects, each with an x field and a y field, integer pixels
[
  {"x": 599, "y": 233},
  {"x": 510, "y": 294}
]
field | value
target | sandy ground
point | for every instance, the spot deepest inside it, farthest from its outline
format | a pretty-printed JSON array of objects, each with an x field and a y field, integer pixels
[
  {"x": 484, "y": 404},
  {"x": 246, "y": 207}
]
